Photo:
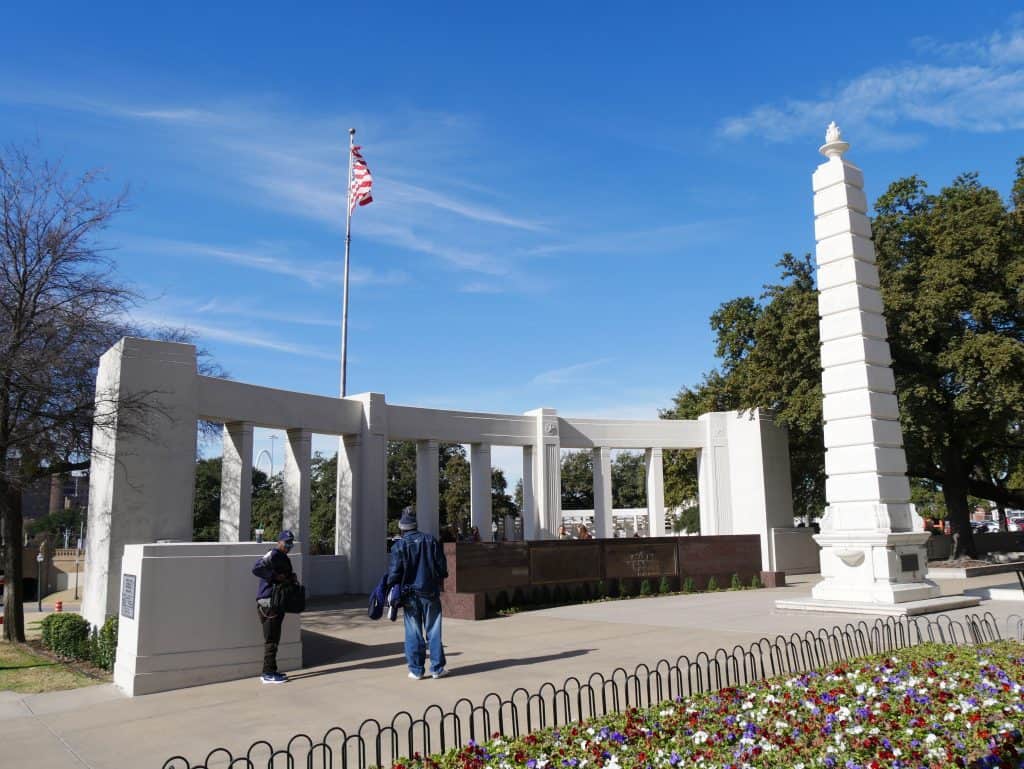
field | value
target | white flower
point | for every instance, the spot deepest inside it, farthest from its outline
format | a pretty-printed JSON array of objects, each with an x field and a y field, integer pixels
[
  {"x": 700, "y": 737},
  {"x": 897, "y": 752},
  {"x": 950, "y": 716},
  {"x": 930, "y": 739},
  {"x": 665, "y": 712}
]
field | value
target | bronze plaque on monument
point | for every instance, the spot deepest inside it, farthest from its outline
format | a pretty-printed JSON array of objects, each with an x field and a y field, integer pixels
[{"x": 640, "y": 558}]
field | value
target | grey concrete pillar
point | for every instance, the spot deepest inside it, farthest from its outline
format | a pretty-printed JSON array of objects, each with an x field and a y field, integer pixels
[
  {"x": 298, "y": 450},
  {"x": 142, "y": 476},
  {"x": 531, "y": 524},
  {"x": 655, "y": 493},
  {"x": 480, "y": 489},
  {"x": 361, "y": 521},
  {"x": 428, "y": 487},
  {"x": 236, "y": 483},
  {"x": 603, "y": 525},
  {"x": 547, "y": 473}
]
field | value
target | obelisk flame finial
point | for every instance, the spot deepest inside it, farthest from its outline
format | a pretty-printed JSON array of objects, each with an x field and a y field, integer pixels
[{"x": 834, "y": 146}]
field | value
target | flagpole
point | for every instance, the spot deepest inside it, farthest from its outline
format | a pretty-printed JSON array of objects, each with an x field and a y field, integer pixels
[{"x": 348, "y": 245}]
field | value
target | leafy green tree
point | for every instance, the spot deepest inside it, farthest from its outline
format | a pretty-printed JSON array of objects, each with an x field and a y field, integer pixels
[
  {"x": 952, "y": 277},
  {"x": 501, "y": 503},
  {"x": 267, "y": 503},
  {"x": 629, "y": 480},
  {"x": 322, "y": 508},
  {"x": 206, "y": 502},
  {"x": 952, "y": 268},
  {"x": 577, "y": 480},
  {"x": 56, "y": 523},
  {"x": 455, "y": 491}
]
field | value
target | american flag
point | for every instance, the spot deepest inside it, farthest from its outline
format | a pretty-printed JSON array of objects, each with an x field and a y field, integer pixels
[{"x": 362, "y": 182}]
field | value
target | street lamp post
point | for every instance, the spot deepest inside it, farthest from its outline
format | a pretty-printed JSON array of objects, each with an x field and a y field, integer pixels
[{"x": 39, "y": 581}]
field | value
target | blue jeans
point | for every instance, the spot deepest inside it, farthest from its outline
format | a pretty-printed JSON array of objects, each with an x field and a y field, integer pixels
[{"x": 423, "y": 621}]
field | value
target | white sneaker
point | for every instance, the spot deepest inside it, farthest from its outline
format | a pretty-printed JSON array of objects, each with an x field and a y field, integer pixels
[
  {"x": 439, "y": 673},
  {"x": 415, "y": 677}
]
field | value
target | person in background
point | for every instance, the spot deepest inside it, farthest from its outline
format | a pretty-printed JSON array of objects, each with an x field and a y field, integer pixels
[
  {"x": 272, "y": 568},
  {"x": 563, "y": 533},
  {"x": 582, "y": 533},
  {"x": 419, "y": 566},
  {"x": 475, "y": 535}
]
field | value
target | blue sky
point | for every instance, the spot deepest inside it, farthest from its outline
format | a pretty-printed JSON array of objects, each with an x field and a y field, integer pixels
[{"x": 564, "y": 191}]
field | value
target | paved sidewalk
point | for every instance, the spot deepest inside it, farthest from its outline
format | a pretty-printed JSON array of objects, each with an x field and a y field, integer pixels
[{"x": 357, "y": 671}]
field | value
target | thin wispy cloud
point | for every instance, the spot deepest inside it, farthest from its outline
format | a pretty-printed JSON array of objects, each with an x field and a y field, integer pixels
[
  {"x": 974, "y": 85},
  {"x": 313, "y": 273},
  {"x": 567, "y": 373},
  {"x": 657, "y": 239},
  {"x": 236, "y": 309},
  {"x": 233, "y": 336}
]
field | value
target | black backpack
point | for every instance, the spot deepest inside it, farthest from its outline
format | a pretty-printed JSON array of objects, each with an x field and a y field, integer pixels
[{"x": 288, "y": 598}]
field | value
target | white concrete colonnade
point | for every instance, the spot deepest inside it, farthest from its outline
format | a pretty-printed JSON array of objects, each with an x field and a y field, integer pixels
[{"x": 143, "y": 474}]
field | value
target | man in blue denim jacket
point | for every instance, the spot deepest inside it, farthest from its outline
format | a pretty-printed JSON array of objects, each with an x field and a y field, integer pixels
[{"x": 418, "y": 565}]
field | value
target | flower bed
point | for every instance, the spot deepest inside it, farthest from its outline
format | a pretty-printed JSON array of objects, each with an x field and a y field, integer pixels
[{"x": 931, "y": 706}]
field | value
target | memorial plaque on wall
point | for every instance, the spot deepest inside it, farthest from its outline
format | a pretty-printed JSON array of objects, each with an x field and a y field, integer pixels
[
  {"x": 128, "y": 596},
  {"x": 638, "y": 559},
  {"x": 565, "y": 562}
]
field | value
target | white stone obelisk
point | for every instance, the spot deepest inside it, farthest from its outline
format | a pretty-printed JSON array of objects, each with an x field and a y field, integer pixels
[{"x": 873, "y": 556}]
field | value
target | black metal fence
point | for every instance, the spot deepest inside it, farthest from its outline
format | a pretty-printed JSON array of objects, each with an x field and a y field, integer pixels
[{"x": 377, "y": 744}]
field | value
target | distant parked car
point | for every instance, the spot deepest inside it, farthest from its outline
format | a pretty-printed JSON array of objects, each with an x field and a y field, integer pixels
[
  {"x": 984, "y": 527},
  {"x": 1015, "y": 524}
]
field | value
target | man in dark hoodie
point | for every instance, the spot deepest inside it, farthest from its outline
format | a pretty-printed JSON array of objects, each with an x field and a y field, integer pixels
[
  {"x": 418, "y": 565},
  {"x": 273, "y": 567}
]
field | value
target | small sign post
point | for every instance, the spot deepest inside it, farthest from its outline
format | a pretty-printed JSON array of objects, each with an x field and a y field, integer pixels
[{"x": 128, "y": 596}]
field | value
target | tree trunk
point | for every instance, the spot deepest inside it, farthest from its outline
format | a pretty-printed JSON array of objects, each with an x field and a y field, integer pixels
[
  {"x": 1002, "y": 516},
  {"x": 954, "y": 492},
  {"x": 14, "y": 616}
]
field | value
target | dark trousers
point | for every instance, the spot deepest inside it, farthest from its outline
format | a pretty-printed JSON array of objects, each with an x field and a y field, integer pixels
[{"x": 271, "y": 638}]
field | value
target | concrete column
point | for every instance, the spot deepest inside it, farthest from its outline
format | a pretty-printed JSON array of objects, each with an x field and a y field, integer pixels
[
  {"x": 361, "y": 522},
  {"x": 531, "y": 523},
  {"x": 480, "y": 489},
  {"x": 714, "y": 493},
  {"x": 428, "y": 487},
  {"x": 602, "y": 461},
  {"x": 873, "y": 544},
  {"x": 655, "y": 493},
  {"x": 142, "y": 476},
  {"x": 547, "y": 473},
  {"x": 236, "y": 483},
  {"x": 298, "y": 450}
]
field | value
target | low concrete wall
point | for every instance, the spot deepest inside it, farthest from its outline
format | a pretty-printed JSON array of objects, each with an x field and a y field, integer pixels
[
  {"x": 188, "y": 617},
  {"x": 795, "y": 551},
  {"x": 482, "y": 570},
  {"x": 327, "y": 575}
]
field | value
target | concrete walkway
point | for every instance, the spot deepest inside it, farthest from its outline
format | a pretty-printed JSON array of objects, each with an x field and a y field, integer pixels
[{"x": 357, "y": 671}]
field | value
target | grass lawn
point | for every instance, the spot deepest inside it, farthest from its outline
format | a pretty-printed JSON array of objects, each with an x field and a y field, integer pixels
[
  {"x": 929, "y": 707},
  {"x": 24, "y": 671}
]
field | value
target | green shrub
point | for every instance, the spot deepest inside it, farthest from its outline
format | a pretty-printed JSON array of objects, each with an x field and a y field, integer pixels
[
  {"x": 602, "y": 589},
  {"x": 66, "y": 635},
  {"x": 712, "y": 585},
  {"x": 735, "y": 583},
  {"x": 104, "y": 644},
  {"x": 646, "y": 588},
  {"x": 519, "y": 597},
  {"x": 577, "y": 594},
  {"x": 689, "y": 586},
  {"x": 561, "y": 595},
  {"x": 755, "y": 581},
  {"x": 665, "y": 586},
  {"x": 501, "y": 601}
]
